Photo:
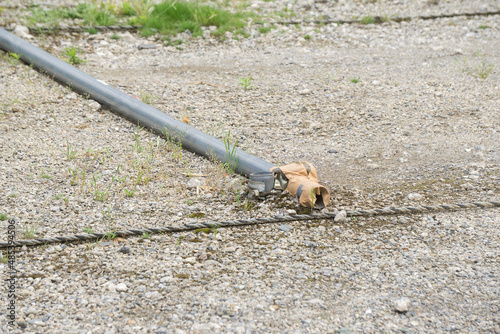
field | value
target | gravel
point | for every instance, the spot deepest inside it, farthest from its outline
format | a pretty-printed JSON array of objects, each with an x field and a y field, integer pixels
[{"x": 416, "y": 126}]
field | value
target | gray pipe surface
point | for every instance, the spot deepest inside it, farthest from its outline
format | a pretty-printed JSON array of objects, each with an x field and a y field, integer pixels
[{"x": 127, "y": 106}]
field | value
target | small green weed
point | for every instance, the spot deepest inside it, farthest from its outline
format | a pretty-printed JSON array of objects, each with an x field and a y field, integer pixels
[
  {"x": 92, "y": 31},
  {"x": 110, "y": 235},
  {"x": 479, "y": 68},
  {"x": 215, "y": 229},
  {"x": 115, "y": 37},
  {"x": 45, "y": 175},
  {"x": 146, "y": 235},
  {"x": 107, "y": 213},
  {"x": 173, "y": 145},
  {"x": 70, "y": 153},
  {"x": 4, "y": 259},
  {"x": 129, "y": 193},
  {"x": 30, "y": 231},
  {"x": 98, "y": 190},
  {"x": 58, "y": 196},
  {"x": 247, "y": 205},
  {"x": 355, "y": 80},
  {"x": 246, "y": 83},
  {"x": 307, "y": 37},
  {"x": 3, "y": 216},
  {"x": 231, "y": 160},
  {"x": 241, "y": 32},
  {"x": 167, "y": 40},
  {"x": 71, "y": 53},
  {"x": 148, "y": 97},
  {"x": 88, "y": 230},
  {"x": 264, "y": 30},
  {"x": 137, "y": 147},
  {"x": 14, "y": 58},
  {"x": 367, "y": 20}
]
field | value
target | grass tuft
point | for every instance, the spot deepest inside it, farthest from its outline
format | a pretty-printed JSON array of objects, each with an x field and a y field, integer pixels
[
  {"x": 478, "y": 68},
  {"x": 367, "y": 20},
  {"x": 169, "y": 17},
  {"x": 172, "y": 17}
]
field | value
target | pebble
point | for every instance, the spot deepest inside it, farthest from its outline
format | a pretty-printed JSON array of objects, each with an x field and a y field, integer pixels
[
  {"x": 415, "y": 197},
  {"x": 36, "y": 322},
  {"x": 191, "y": 260},
  {"x": 22, "y": 31},
  {"x": 467, "y": 186},
  {"x": 146, "y": 46},
  {"x": 94, "y": 105},
  {"x": 121, "y": 287},
  {"x": 340, "y": 217},
  {"x": 401, "y": 304},
  {"x": 125, "y": 250},
  {"x": 23, "y": 324},
  {"x": 285, "y": 228},
  {"x": 230, "y": 249}
]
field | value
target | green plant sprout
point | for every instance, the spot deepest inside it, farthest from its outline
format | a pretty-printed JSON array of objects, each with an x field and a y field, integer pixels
[
  {"x": 215, "y": 229},
  {"x": 4, "y": 259},
  {"x": 480, "y": 70},
  {"x": 30, "y": 231},
  {"x": 148, "y": 97},
  {"x": 231, "y": 160},
  {"x": 92, "y": 31},
  {"x": 246, "y": 83},
  {"x": 88, "y": 230},
  {"x": 367, "y": 20},
  {"x": 129, "y": 193},
  {"x": 45, "y": 175},
  {"x": 110, "y": 235},
  {"x": 14, "y": 58},
  {"x": 70, "y": 153},
  {"x": 71, "y": 53}
]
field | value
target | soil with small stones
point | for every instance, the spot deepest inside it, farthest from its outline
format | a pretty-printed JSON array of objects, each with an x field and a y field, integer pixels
[{"x": 393, "y": 114}]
